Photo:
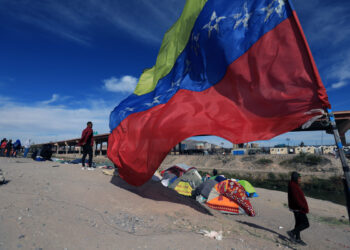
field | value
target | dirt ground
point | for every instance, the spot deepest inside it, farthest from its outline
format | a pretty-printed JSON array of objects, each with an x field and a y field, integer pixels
[{"x": 47, "y": 205}]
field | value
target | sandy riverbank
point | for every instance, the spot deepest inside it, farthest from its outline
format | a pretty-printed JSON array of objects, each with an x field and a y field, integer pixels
[{"x": 46, "y": 205}]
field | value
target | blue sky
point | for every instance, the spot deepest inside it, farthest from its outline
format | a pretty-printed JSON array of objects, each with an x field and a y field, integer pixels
[{"x": 65, "y": 62}]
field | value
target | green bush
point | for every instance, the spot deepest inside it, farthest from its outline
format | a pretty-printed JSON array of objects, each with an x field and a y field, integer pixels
[
  {"x": 306, "y": 159},
  {"x": 271, "y": 176},
  {"x": 248, "y": 158}
]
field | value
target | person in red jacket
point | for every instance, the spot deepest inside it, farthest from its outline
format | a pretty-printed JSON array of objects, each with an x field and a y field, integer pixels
[
  {"x": 87, "y": 142},
  {"x": 3, "y": 147},
  {"x": 298, "y": 204}
]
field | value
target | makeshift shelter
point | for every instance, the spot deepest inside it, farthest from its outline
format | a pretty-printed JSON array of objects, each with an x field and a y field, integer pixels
[
  {"x": 235, "y": 191},
  {"x": 184, "y": 188},
  {"x": 221, "y": 203},
  {"x": 229, "y": 197},
  {"x": 249, "y": 189},
  {"x": 205, "y": 188},
  {"x": 178, "y": 170},
  {"x": 191, "y": 176},
  {"x": 171, "y": 174}
]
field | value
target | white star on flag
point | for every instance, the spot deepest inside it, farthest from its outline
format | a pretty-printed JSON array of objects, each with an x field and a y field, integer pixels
[
  {"x": 174, "y": 84},
  {"x": 215, "y": 26},
  {"x": 242, "y": 19},
  {"x": 279, "y": 8},
  {"x": 270, "y": 9},
  {"x": 129, "y": 109},
  {"x": 155, "y": 101}
]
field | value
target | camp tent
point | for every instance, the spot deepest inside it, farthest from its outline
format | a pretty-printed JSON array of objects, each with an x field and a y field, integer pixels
[
  {"x": 178, "y": 170},
  {"x": 223, "y": 204},
  {"x": 229, "y": 197},
  {"x": 183, "y": 188},
  {"x": 191, "y": 176},
  {"x": 249, "y": 189},
  {"x": 205, "y": 188}
]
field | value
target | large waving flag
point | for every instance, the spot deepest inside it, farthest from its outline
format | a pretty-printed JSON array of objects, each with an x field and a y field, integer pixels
[{"x": 238, "y": 69}]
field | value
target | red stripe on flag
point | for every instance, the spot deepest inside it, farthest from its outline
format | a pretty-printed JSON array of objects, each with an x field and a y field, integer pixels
[
  {"x": 321, "y": 93},
  {"x": 264, "y": 93}
]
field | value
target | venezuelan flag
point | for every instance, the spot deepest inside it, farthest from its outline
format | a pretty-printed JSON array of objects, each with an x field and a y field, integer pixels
[{"x": 238, "y": 69}]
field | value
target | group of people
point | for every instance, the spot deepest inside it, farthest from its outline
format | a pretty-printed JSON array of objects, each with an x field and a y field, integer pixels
[{"x": 9, "y": 149}]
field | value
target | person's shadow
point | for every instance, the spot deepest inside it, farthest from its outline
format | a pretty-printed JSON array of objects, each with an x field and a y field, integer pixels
[
  {"x": 280, "y": 236},
  {"x": 156, "y": 191}
]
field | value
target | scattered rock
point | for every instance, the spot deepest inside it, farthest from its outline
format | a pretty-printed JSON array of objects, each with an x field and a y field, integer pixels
[{"x": 21, "y": 236}]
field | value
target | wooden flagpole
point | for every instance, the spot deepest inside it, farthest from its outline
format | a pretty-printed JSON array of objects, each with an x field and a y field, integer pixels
[{"x": 346, "y": 177}]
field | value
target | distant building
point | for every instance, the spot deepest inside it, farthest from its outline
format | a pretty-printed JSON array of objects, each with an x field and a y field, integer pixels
[
  {"x": 279, "y": 151},
  {"x": 192, "y": 146},
  {"x": 305, "y": 149},
  {"x": 328, "y": 149}
]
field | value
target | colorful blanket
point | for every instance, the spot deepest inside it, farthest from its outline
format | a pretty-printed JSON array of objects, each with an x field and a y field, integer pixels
[{"x": 235, "y": 191}]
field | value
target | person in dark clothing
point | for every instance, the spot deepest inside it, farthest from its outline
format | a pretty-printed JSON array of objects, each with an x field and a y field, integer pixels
[
  {"x": 16, "y": 148},
  {"x": 8, "y": 148},
  {"x": 46, "y": 152},
  {"x": 216, "y": 177},
  {"x": 87, "y": 142},
  {"x": 298, "y": 204}
]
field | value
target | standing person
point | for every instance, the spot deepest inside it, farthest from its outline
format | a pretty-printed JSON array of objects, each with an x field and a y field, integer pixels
[
  {"x": 298, "y": 204},
  {"x": 16, "y": 148},
  {"x": 87, "y": 142},
  {"x": 26, "y": 148},
  {"x": 3, "y": 147},
  {"x": 8, "y": 148}
]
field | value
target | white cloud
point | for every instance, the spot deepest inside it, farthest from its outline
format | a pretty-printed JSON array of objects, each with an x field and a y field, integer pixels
[
  {"x": 122, "y": 85},
  {"x": 327, "y": 29},
  {"x": 339, "y": 85},
  {"x": 308, "y": 137},
  {"x": 51, "y": 123},
  {"x": 76, "y": 20},
  {"x": 4, "y": 100},
  {"x": 295, "y": 138},
  {"x": 54, "y": 98},
  {"x": 340, "y": 71}
]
